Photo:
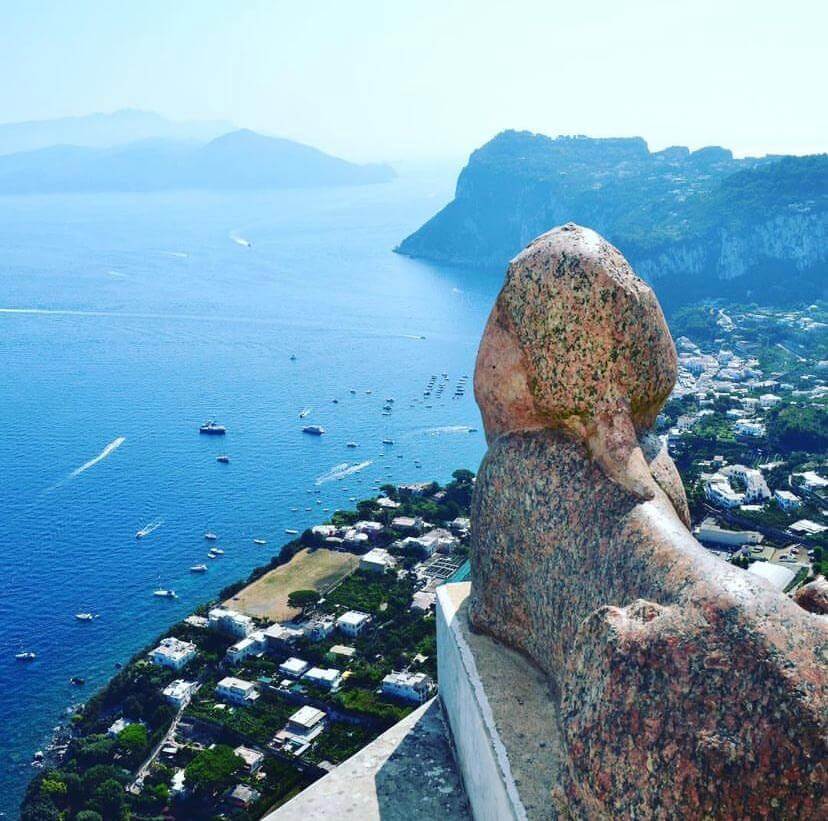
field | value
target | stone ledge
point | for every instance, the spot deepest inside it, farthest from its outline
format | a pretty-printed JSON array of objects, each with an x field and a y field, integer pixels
[
  {"x": 406, "y": 773},
  {"x": 502, "y": 717}
]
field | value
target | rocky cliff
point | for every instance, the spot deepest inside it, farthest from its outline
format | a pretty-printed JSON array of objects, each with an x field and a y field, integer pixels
[{"x": 694, "y": 224}]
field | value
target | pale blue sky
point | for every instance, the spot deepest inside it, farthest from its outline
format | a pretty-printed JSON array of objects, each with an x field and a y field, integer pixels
[{"x": 393, "y": 80}]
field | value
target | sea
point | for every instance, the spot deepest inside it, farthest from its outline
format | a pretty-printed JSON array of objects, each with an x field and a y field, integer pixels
[{"x": 126, "y": 321}]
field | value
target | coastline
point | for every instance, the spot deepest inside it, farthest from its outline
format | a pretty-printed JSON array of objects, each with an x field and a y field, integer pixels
[{"x": 356, "y": 710}]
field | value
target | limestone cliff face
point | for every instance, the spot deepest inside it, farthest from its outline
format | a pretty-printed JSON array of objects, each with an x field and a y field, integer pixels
[
  {"x": 694, "y": 224},
  {"x": 684, "y": 687}
]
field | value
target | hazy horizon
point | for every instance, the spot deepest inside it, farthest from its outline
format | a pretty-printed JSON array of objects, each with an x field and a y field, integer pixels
[{"x": 435, "y": 81}]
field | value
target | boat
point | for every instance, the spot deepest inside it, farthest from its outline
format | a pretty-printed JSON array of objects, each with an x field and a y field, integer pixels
[
  {"x": 218, "y": 551},
  {"x": 352, "y": 392},
  {"x": 211, "y": 555},
  {"x": 313, "y": 430},
  {"x": 291, "y": 531},
  {"x": 387, "y": 441},
  {"x": 304, "y": 413},
  {"x": 147, "y": 529},
  {"x": 26, "y": 655},
  {"x": 350, "y": 444},
  {"x": 212, "y": 428},
  {"x": 259, "y": 541},
  {"x": 223, "y": 459},
  {"x": 210, "y": 536},
  {"x": 198, "y": 568},
  {"x": 293, "y": 357},
  {"x": 77, "y": 681},
  {"x": 164, "y": 593},
  {"x": 84, "y": 616}
]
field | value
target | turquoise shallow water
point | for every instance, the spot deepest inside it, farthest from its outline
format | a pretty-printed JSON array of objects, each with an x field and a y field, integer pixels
[{"x": 125, "y": 321}]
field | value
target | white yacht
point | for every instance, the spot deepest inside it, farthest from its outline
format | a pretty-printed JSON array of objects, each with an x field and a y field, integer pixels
[
  {"x": 198, "y": 568},
  {"x": 164, "y": 593},
  {"x": 84, "y": 616}
]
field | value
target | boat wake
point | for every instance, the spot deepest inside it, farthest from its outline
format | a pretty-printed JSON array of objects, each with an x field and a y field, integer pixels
[
  {"x": 112, "y": 446},
  {"x": 341, "y": 471},
  {"x": 448, "y": 429},
  {"x": 246, "y": 243},
  {"x": 149, "y": 528}
]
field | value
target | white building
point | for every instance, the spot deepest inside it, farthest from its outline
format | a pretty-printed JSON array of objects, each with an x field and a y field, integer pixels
[
  {"x": 178, "y": 692},
  {"x": 354, "y": 540},
  {"x": 439, "y": 540},
  {"x": 787, "y": 500},
  {"x": 460, "y": 525},
  {"x": 407, "y": 524},
  {"x": 377, "y": 560},
  {"x": 319, "y": 628},
  {"x": 280, "y": 637},
  {"x": 301, "y": 729},
  {"x": 353, "y": 622},
  {"x": 713, "y": 534},
  {"x": 747, "y": 427},
  {"x": 293, "y": 667},
  {"x": 118, "y": 725},
  {"x": 807, "y": 528},
  {"x": 252, "y": 645},
  {"x": 252, "y": 758},
  {"x": 811, "y": 480},
  {"x": 373, "y": 530},
  {"x": 174, "y": 653},
  {"x": 756, "y": 488},
  {"x": 768, "y": 400},
  {"x": 718, "y": 490},
  {"x": 415, "y": 687},
  {"x": 387, "y": 504},
  {"x": 342, "y": 650},
  {"x": 778, "y": 576},
  {"x": 237, "y": 690},
  {"x": 324, "y": 531},
  {"x": 230, "y": 622},
  {"x": 329, "y": 678},
  {"x": 423, "y": 600}
]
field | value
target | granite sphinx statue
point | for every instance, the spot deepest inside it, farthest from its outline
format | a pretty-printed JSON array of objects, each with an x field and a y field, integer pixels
[{"x": 684, "y": 686}]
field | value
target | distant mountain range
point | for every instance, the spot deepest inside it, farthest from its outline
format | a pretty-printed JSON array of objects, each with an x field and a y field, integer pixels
[
  {"x": 104, "y": 130},
  {"x": 238, "y": 160},
  {"x": 695, "y": 224}
]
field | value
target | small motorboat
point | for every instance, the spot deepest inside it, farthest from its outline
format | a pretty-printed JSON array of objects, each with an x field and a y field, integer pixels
[
  {"x": 26, "y": 655},
  {"x": 225, "y": 460},
  {"x": 198, "y": 568},
  {"x": 84, "y": 616},
  {"x": 293, "y": 357},
  {"x": 313, "y": 430},
  {"x": 218, "y": 551},
  {"x": 350, "y": 444},
  {"x": 387, "y": 441},
  {"x": 291, "y": 532},
  {"x": 212, "y": 428},
  {"x": 259, "y": 541},
  {"x": 164, "y": 593},
  {"x": 304, "y": 413},
  {"x": 77, "y": 681},
  {"x": 210, "y": 536}
]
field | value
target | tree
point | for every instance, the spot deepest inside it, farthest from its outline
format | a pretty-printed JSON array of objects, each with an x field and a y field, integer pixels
[
  {"x": 133, "y": 740},
  {"x": 88, "y": 815},
  {"x": 41, "y": 810},
  {"x": 303, "y": 598},
  {"x": 212, "y": 768},
  {"x": 110, "y": 796}
]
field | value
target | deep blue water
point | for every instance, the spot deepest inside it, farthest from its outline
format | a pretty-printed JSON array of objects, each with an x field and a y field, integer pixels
[{"x": 141, "y": 317}]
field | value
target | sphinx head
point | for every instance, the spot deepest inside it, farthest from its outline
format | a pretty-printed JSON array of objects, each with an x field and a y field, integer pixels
[{"x": 576, "y": 341}]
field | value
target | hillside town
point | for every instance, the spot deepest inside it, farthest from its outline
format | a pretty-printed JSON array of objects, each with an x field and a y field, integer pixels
[
  {"x": 747, "y": 428},
  {"x": 232, "y": 713}
]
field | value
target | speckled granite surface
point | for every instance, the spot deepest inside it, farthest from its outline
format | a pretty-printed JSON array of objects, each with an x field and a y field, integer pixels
[{"x": 686, "y": 688}]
